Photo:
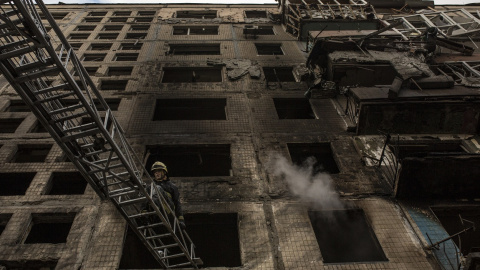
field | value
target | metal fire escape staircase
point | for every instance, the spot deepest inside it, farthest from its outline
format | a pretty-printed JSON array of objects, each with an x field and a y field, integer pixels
[{"x": 41, "y": 68}]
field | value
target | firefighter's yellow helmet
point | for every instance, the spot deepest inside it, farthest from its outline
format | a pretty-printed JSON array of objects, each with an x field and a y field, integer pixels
[{"x": 159, "y": 166}]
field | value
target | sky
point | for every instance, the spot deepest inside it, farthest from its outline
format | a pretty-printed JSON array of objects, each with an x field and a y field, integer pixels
[{"x": 437, "y": 2}]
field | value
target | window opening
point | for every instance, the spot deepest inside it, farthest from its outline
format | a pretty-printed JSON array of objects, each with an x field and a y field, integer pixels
[
  {"x": 139, "y": 27},
  {"x": 4, "y": 218},
  {"x": 135, "y": 35},
  {"x": 113, "y": 104},
  {"x": 91, "y": 70},
  {"x": 97, "y": 13},
  {"x": 76, "y": 46},
  {"x": 114, "y": 84},
  {"x": 119, "y": 19},
  {"x": 107, "y": 36},
  {"x": 197, "y": 14},
  {"x": 112, "y": 27},
  {"x": 15, "y": 183},
  {"x": 190, "y": 109},
  {"x": 59, "y": 15},
  {"x": 31, "y": 153},
  {"x": 216, "y": 237},
  {"x": 30, "y": 264},
  {"x": 122, "y": 13},
  {"x": 66, "y": 183},
  {"x": 86, "y": 27},
  {"x": 131, "y": 46},
  {"x": 195, "y": 30},
  {"x": 345, "y": 236},
  {"x": 100, "y": 46},
  {"x": 193, "y": 160},
  {"x": 94, "y": 57},
  {"x": 126, "y": 57},
  {"x": 269, "y": 49},
  {"x": 49, "y": 228},
  {"x": 17, "y": 106},
  {"x": 188, "y": 74},
  {"x": 293, "y": 108},
  {"x": 450, "y": 219},
  {"x": 194, "y": 49},
  {"x": 255, "y": 13},
  {"x": 93, "y": 19},
  {"x": 322, "y": 152},
  {"x": 119, "y": 71},
  {"x": 39, "y": 128},
  {"x": 279, "y": 74},
  {"x": 10, "y": 125},
  {"x": 146, "y": 13},
  {"x": 143, "y": 19},
  {"x": 79, "y": 35}
]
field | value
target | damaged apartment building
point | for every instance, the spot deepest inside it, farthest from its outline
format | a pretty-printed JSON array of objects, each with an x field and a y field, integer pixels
[{"x": 326, "y": 134}]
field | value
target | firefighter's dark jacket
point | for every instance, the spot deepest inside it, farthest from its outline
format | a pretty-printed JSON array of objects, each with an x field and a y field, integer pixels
[{"x": 171, "y": 194}]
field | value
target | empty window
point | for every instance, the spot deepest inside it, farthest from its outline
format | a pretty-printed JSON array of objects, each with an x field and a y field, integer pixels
[
  {"x": 258, "y": 30},
  {"x": 93, "y": 19},
  {"x": 79, "y": 36},
  {"x": 114, "y": 84},
  {"x": 256, "y": 14},
  {"x": 17, "y": 106},
  {"x": 293, "y": 108},
  {"x": 15, "y": 183},
  {"x": 100, "y": 46},
  {"x": 49, "y": 228},
  {"x": 216, "y": 238},
  {"x": 143, "y": 19},
  {"x": 86, "y": 27},
  {"x": 107, "y": 36},
  {"x": 135, "y": 35},
  {"x": 268, "y": 49},
  {"x": 59, "y": 15},
  {"x": 345, "y": 236},
  {"x": 131, "y": 46},
  {"x": 190, "y": 109},
  {"x": 96, "y": 57},
  {"x": 9, "y": 125},
  {"x": 4, "y": 218},
  {"x": 194, "y": 49},
  {"x": 187, "y": 74},
  {"x": 112, "y": 103},
  {"x": 119, "y": 19},
  {"x": 119, "y": 71},
  {"x": 279, "y": 74},
  {"x": 76, "y": 46},
  {"x": 122, "y": 13},
  {"x": 112, "y": 27},
  {"x": 195, "y": 30},
  {"x": 97, "y": 13},
  {"x": 135, "y": 255},
  {"x": 126, "y": 57},
  {"x": 66, "y": 183},
  {"x": 31, "y": 153},
  {"x": 450, "y": 219},
  {"x": 146, "y": 13},
  {"x": 198, "y": 14},
  {"x": 91, "y": 70},
  {"x": 30, "y": 264},
  {"x": 193, "y": 160},
  {"x": 39, "y": 128},
  {"x": 322, "y": 152},
  {"x": 139, "y": 27}
]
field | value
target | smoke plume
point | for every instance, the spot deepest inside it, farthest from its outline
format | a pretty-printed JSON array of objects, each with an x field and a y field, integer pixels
[{"x": 303, "y": 182}]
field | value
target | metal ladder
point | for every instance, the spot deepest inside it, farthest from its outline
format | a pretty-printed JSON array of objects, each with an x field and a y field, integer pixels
[{"x": 43, "y": 69}]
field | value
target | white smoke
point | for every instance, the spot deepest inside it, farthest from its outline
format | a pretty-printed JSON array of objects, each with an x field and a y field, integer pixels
[{"x": 310, "y": 187}]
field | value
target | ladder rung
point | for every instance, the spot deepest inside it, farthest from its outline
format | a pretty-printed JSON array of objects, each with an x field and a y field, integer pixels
[
  {"x": 166, "y": 246},
  {"x": 150, "y": 226},
  {"x": 50, "y": 98},
  {"x": 132, "y": 201},
  {"x": 158, "y": 235},
  {"x": 80, "y": 135},
  {"x": 114, "y": 166},
  {"x": 180, "y": 264},
  {"x": 69, "y": 117},
  {"x": 81, "y": 127},
  {"x": 173, "y": 256},
  {"x": 33, "y": 65},
  {"x": 7, "y": 34},
  {"x": 120, "y": 190},
  {"x": 131, "y": 191},
  {"x": 13, "y": 44},
  {"x": 51, "y": 89},
  {"x": 144, "y": 215},
  {"x": 66, "y": 109},
  {"x": 96, "y": 152},
  {"x": 38, "y": 74},
  {"x": 14, "y": 53},
  {"x": 7, "y": 25}
]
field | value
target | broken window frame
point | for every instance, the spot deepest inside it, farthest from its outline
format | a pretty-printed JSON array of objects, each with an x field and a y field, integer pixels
[
  {"x": 126, "y": 57},
  {"x": 107, "y": 35},
  {"x": 279, "y": 77},
  {"x": 130, "y": 46},
  {"x": 193, "y": 30},
  {"x": 86, "y": 27},
  {"x": 192, "y": 74},
  {"x": 100, "y": 46},
  {"x": 93, "y": 57},
  {"x": 196, "y": 14},
  {"x": 136, "y": 35},
  {"x": 262, "y": 49},
  {"x": 254, "y": 13}
]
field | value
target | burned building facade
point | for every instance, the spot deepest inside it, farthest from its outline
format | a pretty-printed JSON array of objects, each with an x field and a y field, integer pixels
[{"x": 235, "y": 100}]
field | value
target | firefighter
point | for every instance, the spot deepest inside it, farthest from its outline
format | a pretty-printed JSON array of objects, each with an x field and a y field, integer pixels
[{"x": 168, "y": 190}]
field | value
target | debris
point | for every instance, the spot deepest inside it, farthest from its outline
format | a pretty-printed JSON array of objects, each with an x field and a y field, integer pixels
[{"x": 237, "y": 68}]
